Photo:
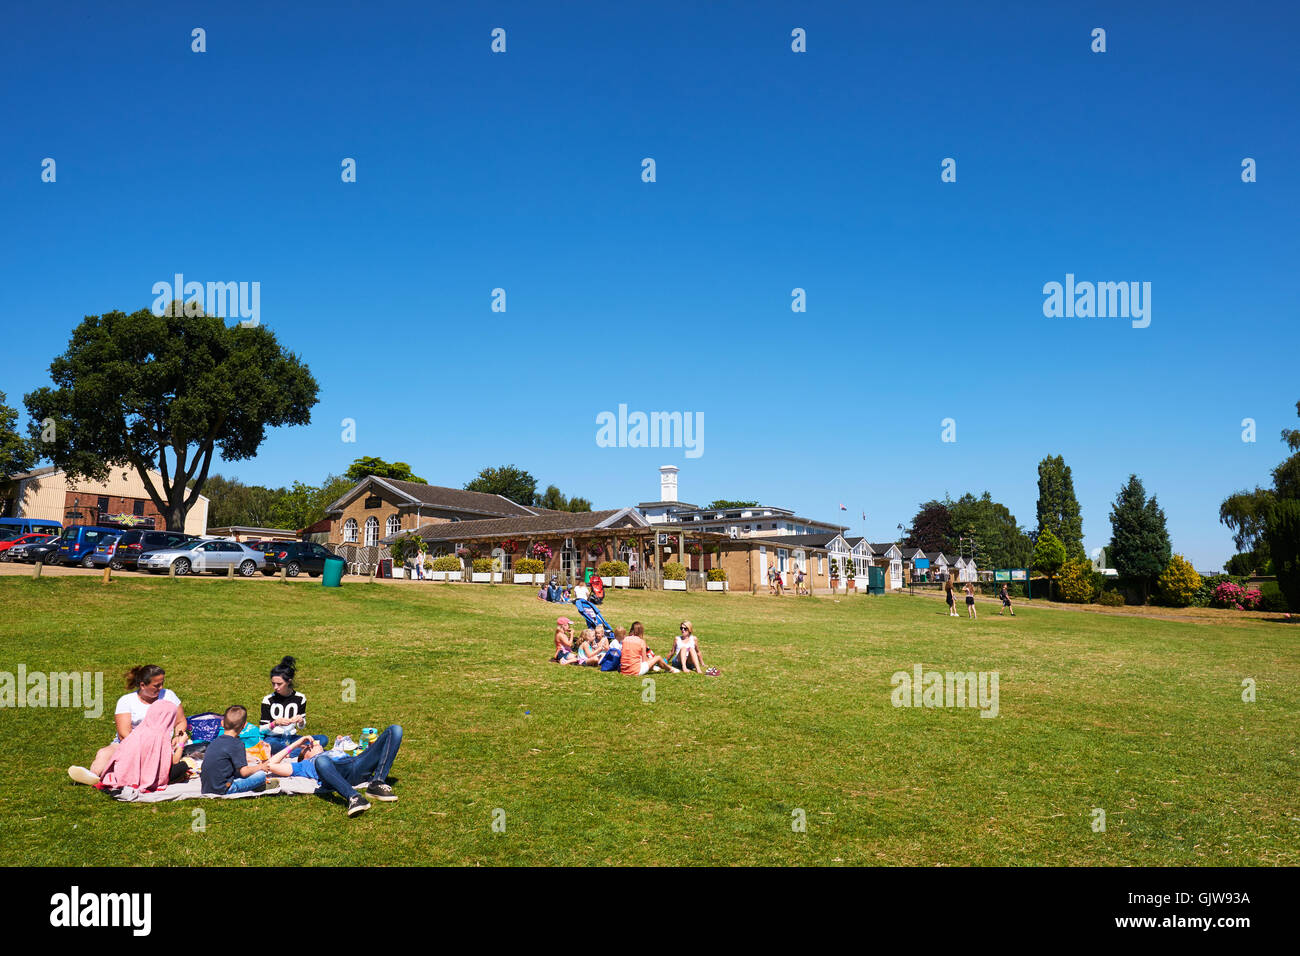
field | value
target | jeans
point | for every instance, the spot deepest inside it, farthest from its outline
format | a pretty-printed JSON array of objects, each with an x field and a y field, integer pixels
[
  {"x": 374, "y": 764},
  {"x": 251, "y": 782},
  {"x": 278, "y": 742}
]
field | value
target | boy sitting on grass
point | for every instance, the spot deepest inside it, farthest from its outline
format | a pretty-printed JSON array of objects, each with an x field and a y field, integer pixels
[{"x": 225, "y": 764}]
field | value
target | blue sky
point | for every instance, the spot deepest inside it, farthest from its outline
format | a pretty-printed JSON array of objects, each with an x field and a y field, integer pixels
[{"x": 775, "y": 170}]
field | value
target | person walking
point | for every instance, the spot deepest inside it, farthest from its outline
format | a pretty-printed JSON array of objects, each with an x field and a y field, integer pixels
[
  {"x": 1006, "y": 602},
  {"x": 970, "y": 601}
]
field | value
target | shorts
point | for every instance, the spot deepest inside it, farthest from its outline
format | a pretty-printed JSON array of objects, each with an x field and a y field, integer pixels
[
  {"x": 645, "y": 668},
  {"x": 1006, "y": 602},
  {"x": 969, "y": 600}
]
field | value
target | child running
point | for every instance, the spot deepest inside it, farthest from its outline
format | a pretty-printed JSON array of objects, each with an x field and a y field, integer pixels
[{"x": 1006, "y": 602}]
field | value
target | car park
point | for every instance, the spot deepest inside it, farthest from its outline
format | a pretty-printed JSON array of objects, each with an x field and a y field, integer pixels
[
  {"x": 294, "y": 556},
  {"x": 195, "y": 557},
  {"x": 131, "y": 544}
]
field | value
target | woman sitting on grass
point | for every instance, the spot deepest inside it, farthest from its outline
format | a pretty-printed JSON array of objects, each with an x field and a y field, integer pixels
[
  {"x": 144, "y": 685},
  {"x": 638, "y": 659},
  {"x": 150, "y": 757},
  {"x": 686, "y": 650}
]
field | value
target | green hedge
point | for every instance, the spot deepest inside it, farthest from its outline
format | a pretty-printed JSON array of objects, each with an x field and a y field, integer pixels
[
  {"x": 530, "y": 566},
  {"x": 482, "y": 565},
  {"x": 612, "y": 569},
  {"x": 674, "y": 571},
  {"x": 446, "y": 563},
  {"x": 717, "y": 574},
  {"x": 1111, "y": 599}
]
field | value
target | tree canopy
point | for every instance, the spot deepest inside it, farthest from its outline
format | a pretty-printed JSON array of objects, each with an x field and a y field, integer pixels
[
  {"x": 931, "y": 529},
  {"x": 361, "y": 467},
  {"x": 998, "y": 541},
  {"x": 508, "y": 481},
  {"x": 1058, "y": 508},
  {"x": 1139, "y": 545},
  {"x": 167, "y": 392},
  {"x": 723, "y": 504}
]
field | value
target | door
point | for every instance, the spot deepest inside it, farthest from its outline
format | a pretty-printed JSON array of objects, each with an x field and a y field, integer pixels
[
  {"x": 896, "y": 574},
  {"x": 762, "y": 566}
]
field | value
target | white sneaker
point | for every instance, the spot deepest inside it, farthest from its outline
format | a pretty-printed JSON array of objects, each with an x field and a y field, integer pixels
[{"x": 82, "y": 775}]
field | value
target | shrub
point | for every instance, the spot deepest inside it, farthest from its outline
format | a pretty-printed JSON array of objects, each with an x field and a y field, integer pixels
[
  {"x": 1075, "y": 582},
  {"x": 835, "y": 568},
  {"x": 1204, "y": 595},
  {"x": 612, "y": 569},
  {"x": 529, "y": 566},
  {"x": 1235, "y": 596},
  {"x": 717, "y": 574},
  {"x": 1271, "y": 598},
  {"x": 446, "y": 563},
  {"x": 1111, "y": 599},
  {"x": 1179, "y": 582},
  {"x": 674, "y": 571},
  {"x": 407, "y": 546},
  {"x": 482, "y": 565}
]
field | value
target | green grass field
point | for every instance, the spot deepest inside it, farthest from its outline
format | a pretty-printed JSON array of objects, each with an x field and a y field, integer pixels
[{"x": 1142, "y": 718}]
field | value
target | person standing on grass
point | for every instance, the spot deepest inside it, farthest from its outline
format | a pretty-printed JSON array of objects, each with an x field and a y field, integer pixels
[
  {"x": 947, "y": 596},
  {"x": 1006, "y": 602},
  {"x": 637, "y": 658},
  {"x": 771, "y": 579},
  {"x": 970, "y": 601},
  {"x": 798, "y": 582},
  {"x": 144, "y": 685}
]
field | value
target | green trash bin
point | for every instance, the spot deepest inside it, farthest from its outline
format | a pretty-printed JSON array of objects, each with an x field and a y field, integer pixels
[
  {"x": 332, "y": 575},
  {"x": 587, "y": 578}
]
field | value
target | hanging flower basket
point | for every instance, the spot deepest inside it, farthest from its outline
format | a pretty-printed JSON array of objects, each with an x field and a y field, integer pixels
[
  {"x": 509, "y": 546},
  {"x": 693, "y": 548},
  {"x": 541, "y": 550}
]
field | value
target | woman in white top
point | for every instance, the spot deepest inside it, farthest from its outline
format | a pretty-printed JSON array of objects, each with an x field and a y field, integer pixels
[
  {"x": 144, "y": 686},
  {"x": 686, "y": 649}
]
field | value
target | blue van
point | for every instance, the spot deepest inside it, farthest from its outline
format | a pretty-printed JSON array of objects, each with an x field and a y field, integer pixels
[
  {"x": 10, "y": 526},
  {"x": 78, "y": 542}
]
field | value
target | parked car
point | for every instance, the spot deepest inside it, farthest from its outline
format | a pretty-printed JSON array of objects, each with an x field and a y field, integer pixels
[
  {"x": 29, "y": 526},
  {"x": 8, "y": 541},
  {"x": 78, "y": 542},
  {"x": 294, "y": 556},
  {"x": 195, "y": 557},
  {"x": 17, "y": 551},
  {"x": 103, "y": 553},
  {"x": 132, "y": 544},
  {"x": 45, "y": 552}
]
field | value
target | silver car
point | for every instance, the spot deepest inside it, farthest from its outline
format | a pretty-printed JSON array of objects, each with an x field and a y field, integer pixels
[{"x": 195, "y": 557}]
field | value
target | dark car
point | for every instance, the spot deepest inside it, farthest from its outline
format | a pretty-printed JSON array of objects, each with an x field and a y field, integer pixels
[
  {"x": 45, "y": 553},
  {"x": 132, "y": 544},
  {"x": 294, "y": 556},
  {"x": 18, "y": 551}
]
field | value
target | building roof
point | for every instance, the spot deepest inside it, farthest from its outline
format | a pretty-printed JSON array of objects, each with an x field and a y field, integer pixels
[
  {"x": 436, "y": 496},
  {"x": 792, "y": 540},
  {"x": 683, "y": 505},
  {"x": 883, "y": 546},
  {"x": 548, "y": 525}
]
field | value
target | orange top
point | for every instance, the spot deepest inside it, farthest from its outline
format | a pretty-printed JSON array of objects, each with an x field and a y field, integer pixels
[{"x": 634, "y": 652}]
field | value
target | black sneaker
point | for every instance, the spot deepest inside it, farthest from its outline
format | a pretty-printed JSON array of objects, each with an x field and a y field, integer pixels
[
  {"x": 380, "y": 791},
  {"x": 358, "y": 804}
]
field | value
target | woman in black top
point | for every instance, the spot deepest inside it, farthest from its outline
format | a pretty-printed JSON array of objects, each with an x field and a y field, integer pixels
[{"x": 284, "y": 710}]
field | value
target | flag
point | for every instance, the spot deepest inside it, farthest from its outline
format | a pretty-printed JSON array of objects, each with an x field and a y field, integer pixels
[
  {"x": 842, "y": 508},
  {"x": 864, "y": 516}
]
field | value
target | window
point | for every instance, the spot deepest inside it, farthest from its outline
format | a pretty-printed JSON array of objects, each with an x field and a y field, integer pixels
[
  {"x": 568, "y": 559},
  {"x": 350, "y": 530},
  {"x": 393, "y": 525},
  {"x": 137, "y": 509},
  {"x": 782, "y": 557},
  {"x": 372, "y": 531},
  {"x": 821, "y": 569}
]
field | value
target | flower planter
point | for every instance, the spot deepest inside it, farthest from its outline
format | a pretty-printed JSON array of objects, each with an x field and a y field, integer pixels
[
  {"x": 623, "y": 582},
  {"x": 480, "y": 577},
  {"x": 453, "y": 575},
  {"x": 716, "y": 585},
  {"x": 526, "y": 578},
  {"x": 835, "y": 583},
  {"x": 852, "y": 588},
  {"x": 674, "y": 585},
  {"x": 399, "y": 572},
  {"x": 437, "y": 575}
]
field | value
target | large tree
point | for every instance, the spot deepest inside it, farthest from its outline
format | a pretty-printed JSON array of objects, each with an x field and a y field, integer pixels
[
  {"x": 400, "y": 470},
  {"x": 931, "y": 529},
  {"x": 992, "y": 535},
  {"x": 508, "y": 481},
  {"x": 1058, "y": 508},
  {"x": 1139, "y": 544},
  {"x": 722, "y": 504},
  {"x": 1049, "y": 555},
  {"x": 167, "y": 393},
  {"x": 1282, "y": 521},
  {"x": 16, "y": 453}
]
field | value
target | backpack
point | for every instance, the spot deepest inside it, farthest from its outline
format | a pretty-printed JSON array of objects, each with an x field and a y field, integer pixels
[{"x": 611, "y": 660}]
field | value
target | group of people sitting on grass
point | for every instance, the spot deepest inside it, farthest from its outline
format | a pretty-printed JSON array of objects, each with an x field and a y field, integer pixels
[
  {"x": 153, "y": 748},
  {"x": 626, "y": 650}
]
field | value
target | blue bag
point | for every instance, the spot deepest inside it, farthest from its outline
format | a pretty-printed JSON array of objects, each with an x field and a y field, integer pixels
[
  {"x": 203, "y": 728},
  {"x": 611, "y": 660}
]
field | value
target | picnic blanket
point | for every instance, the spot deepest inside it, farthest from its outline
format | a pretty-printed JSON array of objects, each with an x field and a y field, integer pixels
[{"x": 193, "y": 790}]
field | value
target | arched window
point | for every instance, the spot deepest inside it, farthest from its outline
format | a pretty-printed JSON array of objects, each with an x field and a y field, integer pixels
[
  {"x": 393, "y": 525},
  {"x": 372, "y": 531},
  {"x": 350, "y": 530}
]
